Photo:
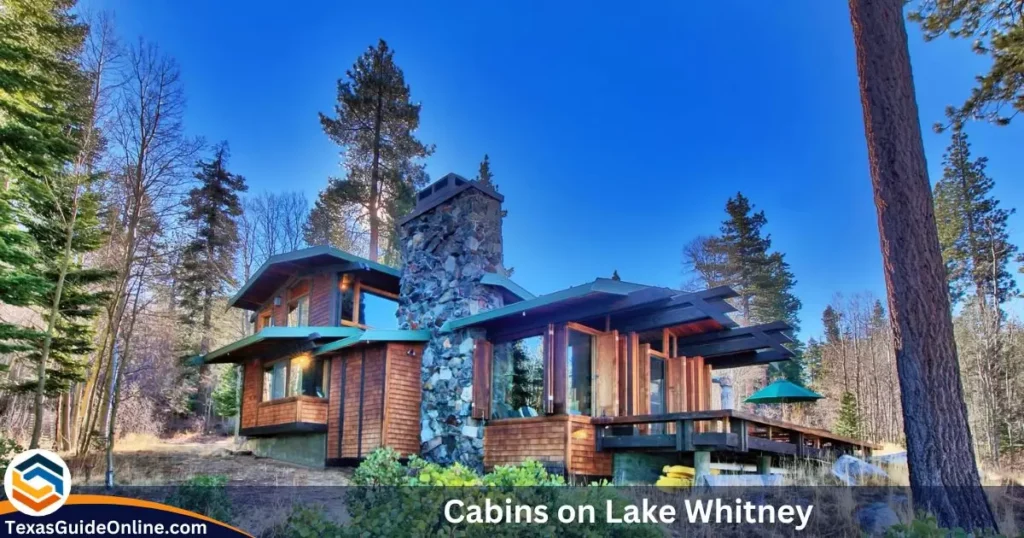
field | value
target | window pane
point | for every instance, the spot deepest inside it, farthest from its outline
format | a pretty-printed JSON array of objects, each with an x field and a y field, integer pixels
[
  {"x": 347, "y": 304},
  {"x": 307, "y": 377},
  {"x": 517, "y": 383},
  {"x": 268, "y": 383},
  {"x": 279, "y": 374},
  {"x": 378, "y": 312},
  {"x": 298, "y": 312},
  {"x": 578, "y": 367},
  {"x": 657, "y": 386}
]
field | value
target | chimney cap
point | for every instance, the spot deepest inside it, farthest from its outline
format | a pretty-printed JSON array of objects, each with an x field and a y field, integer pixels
[{"x": 445, "y": 189}]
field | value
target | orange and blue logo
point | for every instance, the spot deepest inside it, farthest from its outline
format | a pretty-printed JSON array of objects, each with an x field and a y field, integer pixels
[{"x": 37, "y": 482}]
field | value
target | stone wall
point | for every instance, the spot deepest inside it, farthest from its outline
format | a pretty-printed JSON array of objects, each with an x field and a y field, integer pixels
[{"x": 446, "y": 251}]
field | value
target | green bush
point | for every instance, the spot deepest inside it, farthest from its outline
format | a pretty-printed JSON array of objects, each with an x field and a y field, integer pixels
[
  {"x": 8, "y": 449},
  {"x": 419, "y": 511},
  {"x": 307, "y": 522},
  {"x": 204, "y": 494},
  {"x": 381, "y": 468}
]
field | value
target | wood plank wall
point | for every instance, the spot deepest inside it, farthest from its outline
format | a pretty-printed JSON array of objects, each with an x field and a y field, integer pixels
[
  {"x": 375, "y": 400},
  {"x": 402, "y": 403},
  {"x": 292, "y": 409},
  {"x": 556, "y": 440},
  {"x": 252, "y": 392}
]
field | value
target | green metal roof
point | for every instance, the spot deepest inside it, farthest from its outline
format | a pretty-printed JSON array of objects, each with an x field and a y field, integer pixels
[
  {"x": 494, "y": 279},
  {"x": 374, "y": 335},
  {"x": 783, "y": 391},
  {"x": 302, "y": 254},
  {"x": 280, "y": 333},
  {"x": 604, "y": 286}
]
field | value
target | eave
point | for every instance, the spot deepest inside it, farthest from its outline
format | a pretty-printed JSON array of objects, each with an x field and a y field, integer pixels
[{"x": 254, "y": 345}]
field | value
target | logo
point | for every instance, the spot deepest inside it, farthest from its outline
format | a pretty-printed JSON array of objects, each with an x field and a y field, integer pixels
[{"x": 37, "y": 482}]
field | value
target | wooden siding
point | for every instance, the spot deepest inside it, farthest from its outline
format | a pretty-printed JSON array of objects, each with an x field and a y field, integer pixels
[
  {"x": 291, "y": 409},
  {"x": 511, "y": 441},
  {"x": 321, "y": 289},
  {"x": 375, "y": 400},
  {"x": 584, "y": 459},
  {"x": 252, "y": 392},
  {"x": 402, "y": 401},
  {"x": 554, "y": 440}
]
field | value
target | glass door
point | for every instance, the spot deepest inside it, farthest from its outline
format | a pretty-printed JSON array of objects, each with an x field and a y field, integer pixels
[
  {"x": 659, "y": 402},
  {"x": 579, "y": 369}
]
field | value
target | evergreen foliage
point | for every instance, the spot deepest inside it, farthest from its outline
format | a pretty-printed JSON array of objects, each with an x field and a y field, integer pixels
[
  {"x": 848, "y": 423},
  {"x": 374, "y": 121},
  {"x": 972, "y": 227},
  {"x": 208, "y": 262},
  {"x": 996, "y": 30},
  {"x": 226, "y": 395},
  {"x": 615, "y": 275},
  {"x": 527, "y": 378},
  {"x": 741, "y": 257},
  {"x": 484, "y": 176}
]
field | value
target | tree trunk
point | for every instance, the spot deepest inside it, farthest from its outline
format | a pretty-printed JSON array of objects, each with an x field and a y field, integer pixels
[{"x": 943, "y": 474}]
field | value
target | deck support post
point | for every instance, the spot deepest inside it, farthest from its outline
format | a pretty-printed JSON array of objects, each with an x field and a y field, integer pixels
[
  {"x": 764, "y": 464},
  {"x": 701, "y": 464}
]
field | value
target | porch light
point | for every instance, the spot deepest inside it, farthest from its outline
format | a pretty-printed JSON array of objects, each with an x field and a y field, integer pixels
[
  {"x": 346, "y": 282},
  {"x": 301, "y": 360}
]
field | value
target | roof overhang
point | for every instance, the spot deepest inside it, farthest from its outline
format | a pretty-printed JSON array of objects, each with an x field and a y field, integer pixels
[
  {"x": 373, "y": 336},
  {"x": 275, "y": 342},
  {"x": 279, "y": 269},
  {"x": 740, "y": 346},
  {"x": 511, "y": 291},
  {"x": 569, "y": 304}
]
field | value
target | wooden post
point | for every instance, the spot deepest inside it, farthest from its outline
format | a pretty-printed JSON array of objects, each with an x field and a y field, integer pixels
[
  {"x": 764, "y": 464},
  {"x": 701, "y": 465},
  {"x": 739, "y": 427}
]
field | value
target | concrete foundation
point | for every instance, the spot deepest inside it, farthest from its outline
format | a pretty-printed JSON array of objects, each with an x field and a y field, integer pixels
[{"x": 306, "y": 449}]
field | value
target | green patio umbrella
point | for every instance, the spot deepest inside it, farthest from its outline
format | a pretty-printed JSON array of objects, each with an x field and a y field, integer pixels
[{"x": 783, "y": 391}]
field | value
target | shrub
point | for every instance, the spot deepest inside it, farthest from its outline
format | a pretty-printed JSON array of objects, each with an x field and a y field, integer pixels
[
  {"x": 204, "y": 494},
  {"x": 926, "y": 526},
  {"x": 307, "y": 522},
  {"x": 381, "y": 468}
]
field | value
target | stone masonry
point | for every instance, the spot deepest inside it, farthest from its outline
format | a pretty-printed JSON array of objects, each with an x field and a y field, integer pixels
[{"x": 446, "y": 249}]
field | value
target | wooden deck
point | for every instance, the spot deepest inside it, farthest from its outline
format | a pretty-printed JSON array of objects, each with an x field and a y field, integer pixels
[{"x": 723, "y": 430}]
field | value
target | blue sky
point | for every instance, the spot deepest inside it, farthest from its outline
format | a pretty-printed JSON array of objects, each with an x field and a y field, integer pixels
[{"x": 615, "y": 134}]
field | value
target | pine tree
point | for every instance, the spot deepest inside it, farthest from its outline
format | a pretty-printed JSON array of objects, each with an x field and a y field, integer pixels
[
  {"x": 996, "y": 30},
  {"x": 944, "y": 476},
  {"x": 615, "y": 275},
  {"x": 743, "y": 259},
  {"x": 39, "y": 40},
  {"x": 484, "y": 176},
  {"x": 374, "y": 124},
  {"x": 972, "y": 228},
  {"x": 225, "y": 396},
  {"x": 208, "y": 262},
  {"x": 527, "y": 378},
  {"x": 848, "y": 423}
]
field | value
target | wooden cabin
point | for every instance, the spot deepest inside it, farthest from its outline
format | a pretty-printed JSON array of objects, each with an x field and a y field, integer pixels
[{"x": 449, "y": 359}]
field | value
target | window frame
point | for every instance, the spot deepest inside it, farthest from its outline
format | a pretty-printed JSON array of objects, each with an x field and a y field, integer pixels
[{"x": 298, "y": 299}]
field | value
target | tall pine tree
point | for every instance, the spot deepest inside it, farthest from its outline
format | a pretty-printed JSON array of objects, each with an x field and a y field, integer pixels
[
  {"x": 742, "y": 258},
  {"x": 975, "y": 244},
  {"x": 374, "y": 121},
  {"x": 208, "y": 263}
]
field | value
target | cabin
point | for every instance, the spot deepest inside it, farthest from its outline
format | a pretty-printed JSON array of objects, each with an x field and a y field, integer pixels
[{"x": 447, "y": 358}]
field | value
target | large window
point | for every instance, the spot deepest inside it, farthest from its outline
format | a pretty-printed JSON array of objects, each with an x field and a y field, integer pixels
[
  {"x": 517, "y": 384},
  {"x": 308, "y": 377},
  {"x": 299, "y": 376},
  {"x": 378, "y": 311},
  {"x": 579, "y": 368},
  {"x": 274, "y": 378}
]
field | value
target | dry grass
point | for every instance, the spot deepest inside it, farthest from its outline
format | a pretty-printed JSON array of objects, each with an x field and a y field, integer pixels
[{"x": 143, "y": 460}]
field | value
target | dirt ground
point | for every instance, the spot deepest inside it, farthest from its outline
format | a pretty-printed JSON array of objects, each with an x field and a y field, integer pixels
[{"x": 149, "y": 461}]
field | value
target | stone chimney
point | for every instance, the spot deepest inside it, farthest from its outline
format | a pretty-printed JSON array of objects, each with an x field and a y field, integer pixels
[{"x": 448, "y": 242}]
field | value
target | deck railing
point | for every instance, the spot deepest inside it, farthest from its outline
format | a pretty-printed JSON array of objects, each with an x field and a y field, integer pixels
[{"x": 719, "y": 430}]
